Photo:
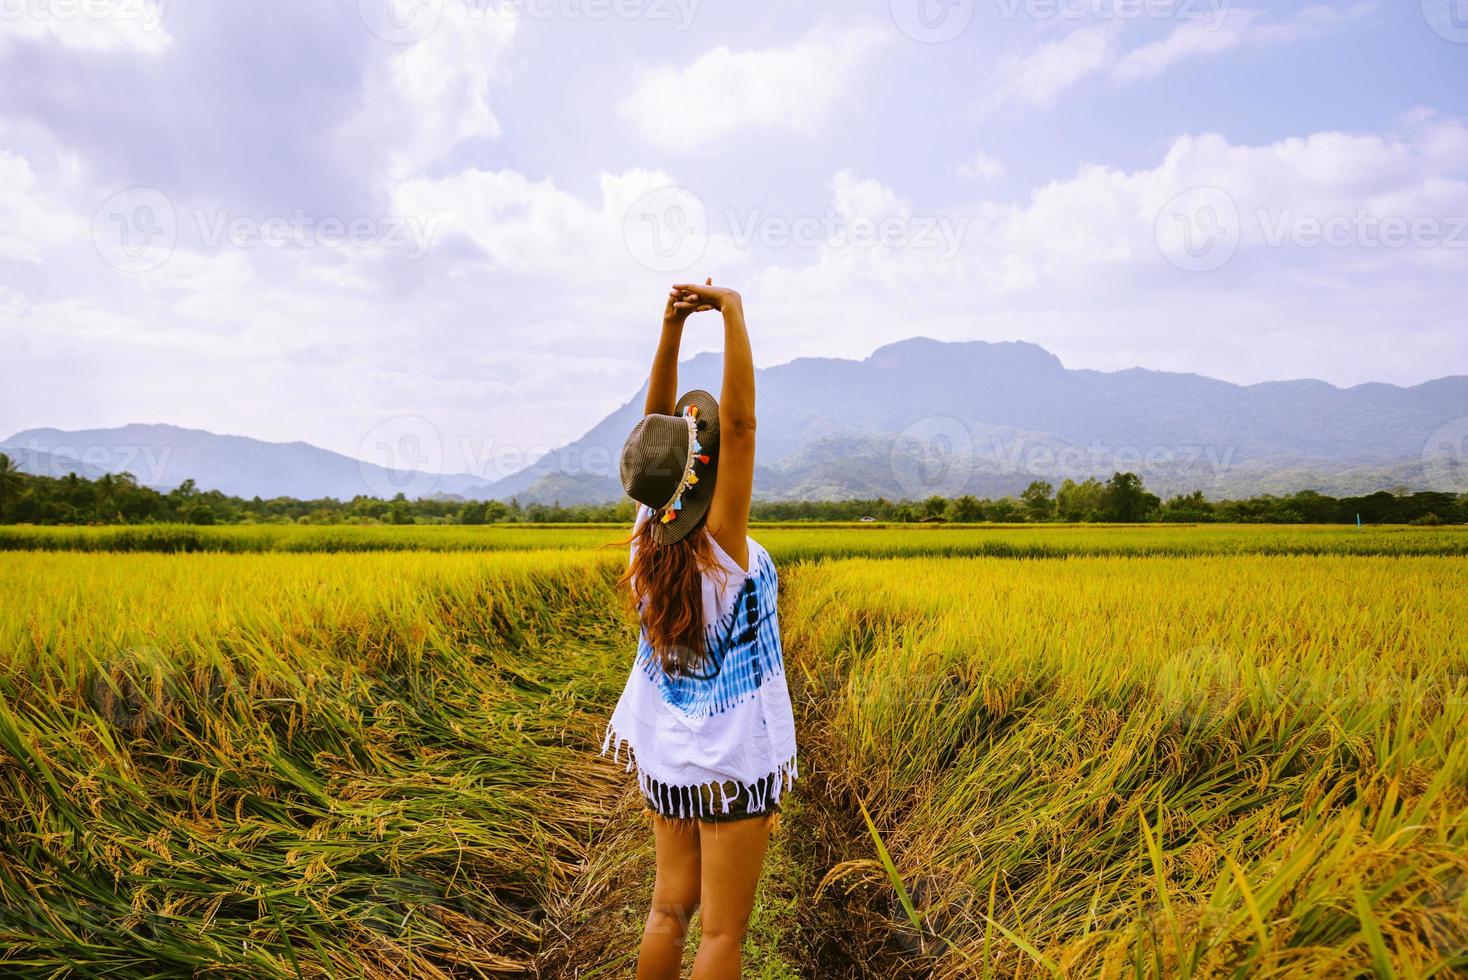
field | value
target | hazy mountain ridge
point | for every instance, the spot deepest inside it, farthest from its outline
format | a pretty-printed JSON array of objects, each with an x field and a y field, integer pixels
[
  {"x": 830, "y": 427},
  {"x": 915, "y": 418},
  {"x": 163, "y": 456}
]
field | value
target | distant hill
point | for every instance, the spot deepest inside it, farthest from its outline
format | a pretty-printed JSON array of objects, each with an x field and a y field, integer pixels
[
  {"x": 916, "y": 418},
  {"x": 163, "y": 456}
]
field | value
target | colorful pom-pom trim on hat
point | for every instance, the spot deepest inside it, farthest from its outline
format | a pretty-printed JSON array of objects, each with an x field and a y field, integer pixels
[{"x": 696, "y": 455}]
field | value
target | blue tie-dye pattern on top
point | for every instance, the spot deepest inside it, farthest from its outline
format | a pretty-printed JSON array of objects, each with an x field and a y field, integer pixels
[{"x": 742, "y": 649}]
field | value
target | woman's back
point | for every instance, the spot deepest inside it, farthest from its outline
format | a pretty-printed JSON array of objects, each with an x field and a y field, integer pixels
[
  {"x": 741, "y": 635},
  {"x": 727, "y": 719}
]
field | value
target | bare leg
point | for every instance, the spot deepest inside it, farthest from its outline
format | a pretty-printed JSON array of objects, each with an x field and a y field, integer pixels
[
  {"x": 675, "y": 895},
  {"x": 733, "y": 855}
]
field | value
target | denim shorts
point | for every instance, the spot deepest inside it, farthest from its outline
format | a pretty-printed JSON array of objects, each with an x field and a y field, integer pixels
[{"x": 670, "y": 802}]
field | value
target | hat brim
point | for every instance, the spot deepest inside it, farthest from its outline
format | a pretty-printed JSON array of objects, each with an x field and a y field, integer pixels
[{"x": 695, "y": 503}]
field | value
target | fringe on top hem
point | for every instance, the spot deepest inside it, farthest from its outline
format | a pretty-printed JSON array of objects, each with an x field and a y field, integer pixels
[{"x": 693, "y": 800}]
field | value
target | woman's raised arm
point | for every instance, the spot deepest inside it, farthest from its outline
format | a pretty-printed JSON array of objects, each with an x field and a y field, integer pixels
[
  {"x": 728, "y": 517},
  {"x": 662, "y": 384}
]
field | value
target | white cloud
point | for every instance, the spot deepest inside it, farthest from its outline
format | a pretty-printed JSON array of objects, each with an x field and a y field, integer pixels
[
  {"x": 1235, "y": 29},
  {"x": 980, "y": 167},
  {"x": 1037, "y": 78},
  {"x": 70, "y": 321},
  {"x": 421, "y": 100},
  {"x": 1323, "y": 176},
  {"x": 537, "y": 230},
  {"x": 530, "y": 226},
  {"x": 855, "y": 197},
  {"x": 527, "y": 265},
  {"x": 796, "y": 87},
  {"x": 30, "y": 218},
  {"x": 1077, "y": 266},
  {"x": 1189, "y": 40}
]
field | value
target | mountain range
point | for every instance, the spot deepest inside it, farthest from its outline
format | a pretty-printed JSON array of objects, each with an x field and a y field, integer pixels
[{"x": 916, "y": 418}]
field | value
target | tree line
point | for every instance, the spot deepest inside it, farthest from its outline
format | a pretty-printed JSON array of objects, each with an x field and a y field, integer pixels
[{"x": 119, "y": 499}]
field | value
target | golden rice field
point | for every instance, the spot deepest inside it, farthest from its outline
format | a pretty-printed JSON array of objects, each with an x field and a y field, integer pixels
[
  {"x": 340, "y": 752},
  {"x": 786, "y": 542}
]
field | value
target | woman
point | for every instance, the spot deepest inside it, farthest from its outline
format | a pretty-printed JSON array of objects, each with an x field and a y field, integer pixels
[{"x": 705, "y": 714}]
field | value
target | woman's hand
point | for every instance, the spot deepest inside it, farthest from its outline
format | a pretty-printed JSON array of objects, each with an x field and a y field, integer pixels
[
  {"x": 704, "y": 296},
  {"x": 683, "y": 302}
]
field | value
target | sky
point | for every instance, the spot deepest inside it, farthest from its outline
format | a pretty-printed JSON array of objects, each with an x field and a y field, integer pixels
[{"x": 450, "y": 225}]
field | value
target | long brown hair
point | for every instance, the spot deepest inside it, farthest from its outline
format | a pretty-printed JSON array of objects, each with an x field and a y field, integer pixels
[{"x": 665, "y": 588}]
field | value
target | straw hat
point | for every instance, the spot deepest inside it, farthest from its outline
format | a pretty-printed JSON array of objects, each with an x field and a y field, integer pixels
[{"x": 670, "y": 462}]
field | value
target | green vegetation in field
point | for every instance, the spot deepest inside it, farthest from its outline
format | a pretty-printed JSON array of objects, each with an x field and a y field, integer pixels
[
  {"x": 786, "y": 542},
  {"x": 1220, "y": 766},
  {"x": 253, "y": 538},
  {"x": 119, "y": 499},
  {"x": 1162, "y": 751},
  {"x": 288, "y": 766}
]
